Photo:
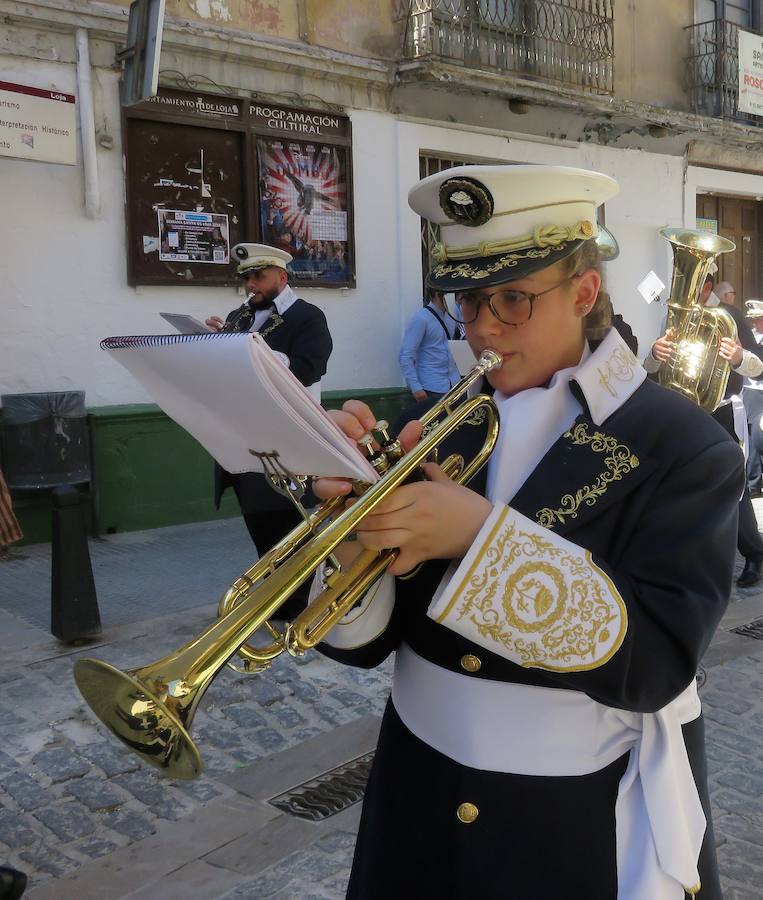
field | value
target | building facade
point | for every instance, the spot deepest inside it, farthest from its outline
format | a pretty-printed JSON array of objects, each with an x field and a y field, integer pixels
[{"x": 305, "y": 123}]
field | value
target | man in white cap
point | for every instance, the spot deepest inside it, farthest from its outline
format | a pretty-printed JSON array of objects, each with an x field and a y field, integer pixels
[
  {"x": 298, "y": 332},
  {"x": 544, "y": 737}
]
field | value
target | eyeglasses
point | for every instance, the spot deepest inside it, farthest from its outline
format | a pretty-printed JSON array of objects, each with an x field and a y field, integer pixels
[{"x": 508, "y": 306}]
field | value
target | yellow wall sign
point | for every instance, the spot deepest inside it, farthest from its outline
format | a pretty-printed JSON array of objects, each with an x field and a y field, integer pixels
[{"x": 710, "y": 225}]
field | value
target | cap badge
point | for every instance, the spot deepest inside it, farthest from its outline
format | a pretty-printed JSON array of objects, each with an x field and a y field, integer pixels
[
  {"x": 242, "y": 252},
  {"x": 466, "y": 201},
  {"x": 586, "y": 229}
]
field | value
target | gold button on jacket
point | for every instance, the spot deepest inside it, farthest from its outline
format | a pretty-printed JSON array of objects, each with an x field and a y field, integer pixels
[
  {"x": 471, "y": 663},
  {"x": 467, "y": 813}
]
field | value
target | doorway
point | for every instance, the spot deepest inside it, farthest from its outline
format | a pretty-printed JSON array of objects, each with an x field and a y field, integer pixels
[{"x": 739, "y": 219}]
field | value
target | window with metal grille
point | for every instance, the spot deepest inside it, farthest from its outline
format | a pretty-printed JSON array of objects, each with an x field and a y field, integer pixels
[
  {"x": 713, "y": 60},
  {"x": 743, "y": 13},
  {"x": 430, "y": 234},
  {"x": 566, "y": 41}
]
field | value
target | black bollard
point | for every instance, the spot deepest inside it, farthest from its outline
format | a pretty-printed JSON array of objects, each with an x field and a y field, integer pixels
[
  {"x": 12, "y": 883},
  {"x": 74, "y": 612}
]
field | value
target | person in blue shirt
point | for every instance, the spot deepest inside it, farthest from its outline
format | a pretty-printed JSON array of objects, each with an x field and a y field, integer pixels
[{"x": 425, "y": 358}]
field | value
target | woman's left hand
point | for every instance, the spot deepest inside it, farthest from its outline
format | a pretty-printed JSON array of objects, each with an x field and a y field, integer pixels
[{"x": 435, "y": 519}]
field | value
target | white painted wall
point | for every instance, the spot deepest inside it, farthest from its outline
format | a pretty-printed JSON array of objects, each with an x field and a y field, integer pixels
[{"x": 63, "y": 277}]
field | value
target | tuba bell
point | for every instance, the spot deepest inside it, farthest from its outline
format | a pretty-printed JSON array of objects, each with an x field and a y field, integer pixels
[
  {"x": 695, "y": 368},
  {"x": 150, "y": 709}
]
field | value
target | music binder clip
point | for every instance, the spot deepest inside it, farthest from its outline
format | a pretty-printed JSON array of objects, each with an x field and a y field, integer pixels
[
  {"x": 292, "y": 486},
  {"x": 282, "y": 480}
]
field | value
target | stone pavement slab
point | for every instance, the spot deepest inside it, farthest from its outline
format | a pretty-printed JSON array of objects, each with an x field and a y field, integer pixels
[
  {"x": 197, "y": 879},
  {"x": 309, "y": 759},
  {"x": 137, "y": 574},
  {"x": 175, "y": 845},
  {"x": 85, "y": 818}
]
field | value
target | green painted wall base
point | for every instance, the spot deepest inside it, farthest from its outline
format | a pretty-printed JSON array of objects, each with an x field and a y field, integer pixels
[{"x": 148, "y": 472}]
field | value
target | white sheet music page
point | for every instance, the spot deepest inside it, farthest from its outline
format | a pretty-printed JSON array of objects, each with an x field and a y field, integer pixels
[{"x": 231, "y": 393}]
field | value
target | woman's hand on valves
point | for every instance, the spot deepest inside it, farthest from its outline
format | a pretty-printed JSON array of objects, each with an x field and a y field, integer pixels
[{"x": 433, "y": 519}]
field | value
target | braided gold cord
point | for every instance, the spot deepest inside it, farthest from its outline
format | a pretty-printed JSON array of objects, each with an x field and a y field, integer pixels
[{"x": 543, "y": 236}]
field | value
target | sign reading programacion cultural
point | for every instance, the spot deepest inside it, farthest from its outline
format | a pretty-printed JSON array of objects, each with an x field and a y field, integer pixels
[{"x": 284, "y": 119}]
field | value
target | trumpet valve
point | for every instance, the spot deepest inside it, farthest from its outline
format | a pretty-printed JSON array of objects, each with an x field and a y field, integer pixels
[
  {"x": 391, "y": 447},
  {"x": 376, "y": 457}
]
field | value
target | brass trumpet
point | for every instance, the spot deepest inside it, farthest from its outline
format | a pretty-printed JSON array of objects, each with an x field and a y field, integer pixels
[{"x": 150, "y": 709}]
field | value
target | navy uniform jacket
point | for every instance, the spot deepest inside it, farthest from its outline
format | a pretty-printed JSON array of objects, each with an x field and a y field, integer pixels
[
  {"x": 746, "y": 339},
  {"x": 664, "y": 531},
  {"x": 302, "y": 333},
  {"x": 652, "y": 493}
]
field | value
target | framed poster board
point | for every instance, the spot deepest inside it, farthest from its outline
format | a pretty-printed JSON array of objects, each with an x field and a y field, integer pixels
[
  {"x": 205, "y": 172},
  {"x": 304, "y": 190},
  {"x": 303, "y": 207},
  {"x": 186, "y": 202}
]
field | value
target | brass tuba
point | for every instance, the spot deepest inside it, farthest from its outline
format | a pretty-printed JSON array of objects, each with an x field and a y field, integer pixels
[
  {"x": 150, "y": 709},
  {"x": 695, "y": 368}
]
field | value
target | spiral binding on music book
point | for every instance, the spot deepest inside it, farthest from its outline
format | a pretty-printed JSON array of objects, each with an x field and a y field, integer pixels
[{"x": 158, "y": 340}]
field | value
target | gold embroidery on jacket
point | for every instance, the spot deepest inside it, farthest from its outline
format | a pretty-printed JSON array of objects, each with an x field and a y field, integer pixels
[
  {"x": 618, "y": 461},
  {"x": 620, "y": 366},
  {"x": 272, "y": 323},
  {"x": 476, "y": 417},
  {"x": 548, "y": 605}
]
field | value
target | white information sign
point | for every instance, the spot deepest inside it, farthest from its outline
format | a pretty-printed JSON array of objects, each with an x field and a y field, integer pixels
[
  {"x": 650, "y": 287},
  {"x": 37, "y": 124},
  {"x": 750, "y": 73}
]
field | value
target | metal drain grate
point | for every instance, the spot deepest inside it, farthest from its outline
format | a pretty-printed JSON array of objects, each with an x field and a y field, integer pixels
[
  {"x": 752, "y": 629},
  {"x": 328, "y": 794}
]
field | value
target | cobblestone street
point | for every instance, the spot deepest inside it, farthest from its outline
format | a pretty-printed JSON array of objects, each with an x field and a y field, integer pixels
[{"x": 86, "y": 819}]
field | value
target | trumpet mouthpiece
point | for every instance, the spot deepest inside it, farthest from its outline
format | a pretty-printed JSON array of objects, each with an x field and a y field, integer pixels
[{"x": 489, "y": 360}]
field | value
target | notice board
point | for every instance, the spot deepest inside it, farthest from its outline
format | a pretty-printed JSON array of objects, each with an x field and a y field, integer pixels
[{"x": 205, "y": 172}]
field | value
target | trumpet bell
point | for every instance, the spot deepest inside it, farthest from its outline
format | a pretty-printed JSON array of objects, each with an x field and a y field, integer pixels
[{"x": 138, "y": 717}]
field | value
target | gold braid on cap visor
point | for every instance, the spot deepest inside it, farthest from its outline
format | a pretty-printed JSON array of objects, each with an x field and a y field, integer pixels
[
  {"x": 262, "y": 262},
  {"x": 544, "y": 236}
]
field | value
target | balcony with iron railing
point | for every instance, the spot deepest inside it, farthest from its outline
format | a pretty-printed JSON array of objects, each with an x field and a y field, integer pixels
[
  {"x": 569, "y": 42},
  {"x": 713, "y": 71}
]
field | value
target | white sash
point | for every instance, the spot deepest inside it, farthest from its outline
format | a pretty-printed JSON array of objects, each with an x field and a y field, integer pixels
[{"x": 528, "y": 730}]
